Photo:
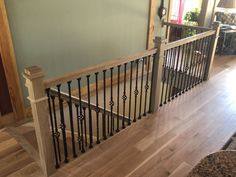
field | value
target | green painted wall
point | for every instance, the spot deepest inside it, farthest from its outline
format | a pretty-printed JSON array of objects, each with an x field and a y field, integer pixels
[{"x": 61, "y": 36}]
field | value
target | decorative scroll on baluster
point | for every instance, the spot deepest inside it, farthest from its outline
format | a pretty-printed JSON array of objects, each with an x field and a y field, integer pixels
[
  {"x": 71, "y": 120},
  {"x": 78, "y": 127},
  {"x": 147, "y": 60},
  {"x": 181, "y": 71},
  {"x": 81, "y": 118},
  {"x": 104, "y": 106},
  {"x": 90, "y": 114},
  {"x": 62, "y": 125},
  {"x": 136, "y": 92},
  {"x": 52, "y": 130},
  {"x": 111, "y": 104},
  {"x": 124, "y": 97},
  {"x": 130, "y": 91},
  {"x": 164, "y": 77},
  {"x": 141, "y": 90},
  {"x": 97, "y": 109},
  {"x": 118, "y": 101},
  {"x": 57, "y": 133}
]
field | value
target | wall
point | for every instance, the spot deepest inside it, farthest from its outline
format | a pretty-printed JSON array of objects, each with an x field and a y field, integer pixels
[{"x": 61, "y": 36}]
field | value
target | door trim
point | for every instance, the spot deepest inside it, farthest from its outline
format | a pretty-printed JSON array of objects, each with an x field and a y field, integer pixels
[{"x": 9, "y": 64}]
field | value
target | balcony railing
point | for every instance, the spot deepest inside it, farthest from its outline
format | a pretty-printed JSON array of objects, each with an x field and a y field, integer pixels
[{"x": 74, "y": 112}]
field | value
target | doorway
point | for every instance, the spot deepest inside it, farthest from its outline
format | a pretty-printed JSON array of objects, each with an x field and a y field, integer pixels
[
  {"x": 11, "y": 79},
  {"x": 5, "y": 101},
  {"x": 185, "y": 11}
]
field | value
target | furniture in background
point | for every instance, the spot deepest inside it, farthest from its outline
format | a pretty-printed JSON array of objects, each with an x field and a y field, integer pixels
[
  {"x": 227, "y": 39},
  {"x": 227, "y": 42}
]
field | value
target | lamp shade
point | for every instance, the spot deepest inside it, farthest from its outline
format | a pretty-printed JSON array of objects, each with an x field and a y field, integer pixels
[{"x": 229, "y": 4}]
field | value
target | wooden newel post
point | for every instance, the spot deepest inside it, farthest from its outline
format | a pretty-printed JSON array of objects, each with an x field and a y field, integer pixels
[
  {"x": 157, "y": 74},
  {"x": 216, "y": 27},
  {"x": 38, "y": 100}
]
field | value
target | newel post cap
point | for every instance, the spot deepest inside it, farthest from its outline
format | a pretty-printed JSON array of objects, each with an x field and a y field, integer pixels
[{"x": 33, "y": 72}]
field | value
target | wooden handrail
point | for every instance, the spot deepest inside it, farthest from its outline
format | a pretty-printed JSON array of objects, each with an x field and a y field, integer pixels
[
  {"x": 97, "y": 68},
  {"x": 189, "y": 39},
  {"x": 186, "y": 26}
]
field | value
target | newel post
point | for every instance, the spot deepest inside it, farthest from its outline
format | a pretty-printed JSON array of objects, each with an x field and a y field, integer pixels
[
  {"x": 34, "y": 83},
  {"x": 158, "y": 61},
  {"x": 216, "y": 27}
]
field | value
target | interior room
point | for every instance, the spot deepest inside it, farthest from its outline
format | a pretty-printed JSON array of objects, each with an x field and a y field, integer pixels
[{"x": 117, "y": 88}]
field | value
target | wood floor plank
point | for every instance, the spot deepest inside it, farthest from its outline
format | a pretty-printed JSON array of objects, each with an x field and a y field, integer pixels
[{"x": 182, "y": 170}]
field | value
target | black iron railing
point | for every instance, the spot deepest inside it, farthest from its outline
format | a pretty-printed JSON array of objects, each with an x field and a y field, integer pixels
[
  {"x": 89, "y": 106},
  {"x": 184, "y": 67},
  {"x": 86, "y": 120}
]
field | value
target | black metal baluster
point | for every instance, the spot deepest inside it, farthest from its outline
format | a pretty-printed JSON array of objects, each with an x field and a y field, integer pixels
[
  {"x": 52, "y": 128},
  {"x": 62, "y": 126},
  {"x": 163, "y": 76},
  {"x": 108, "y": 124},
  {"x": 136, "y": 92},
  {"x": 190, "y": 65},
  {"x": 172, "y": 70},
  {"x": 199, "y": 61},
  {"x": 124, "y": 97},
  {"x": 104, "y": 106},
  {"x": 176, "y": 70},
  {"x": 186, "y": 68},
  {"x": 181, "y": 71},
  {"x": 85, "y": 126},
  {"x": 78, "y": 126},
  {"x": 112, "y": 103},
  {"x": 146, "y": 85},
  {"x": 195, "y": 63},
  {"x": 81, "y": 116},
  {"x": 71, "y": 120},
  {"x": 90, "y": 114},
  {"x": 141, "y": 90},
  {"x": 130, "y": 91},
  {"x": 118, "y": 101},
  {"x": 57, "y": 133},
  {"x": 97, "y": 109},
  {"x": 203, "y": 60},
  {"x": 168, "y": 69}
]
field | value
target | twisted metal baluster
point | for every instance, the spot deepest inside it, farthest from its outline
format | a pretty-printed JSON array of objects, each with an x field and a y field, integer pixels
[
  {"x": 71, "y": 120},
  {"x": 52, "y": 129},
  {"x": 62, "y": 126}
]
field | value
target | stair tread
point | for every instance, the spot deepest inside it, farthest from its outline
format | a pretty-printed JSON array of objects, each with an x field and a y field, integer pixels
[
  {"x": 4, "y": 136},
  {"x": 13, "y": 162},
  {"x": 8, "y": 147},
  {"x": 30, "y": 170}
]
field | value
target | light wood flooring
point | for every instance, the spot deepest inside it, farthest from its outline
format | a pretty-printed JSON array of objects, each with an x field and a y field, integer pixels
[{"x": 166, "y": 144}]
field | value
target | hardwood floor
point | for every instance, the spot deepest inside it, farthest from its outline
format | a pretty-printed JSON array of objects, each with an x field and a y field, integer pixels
[{"x": 168, "y": 143}]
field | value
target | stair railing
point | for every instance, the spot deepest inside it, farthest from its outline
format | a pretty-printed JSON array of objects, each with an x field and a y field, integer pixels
[
  {"x": 74, "y": 112},
  {"x": 179, "y": 31}
]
